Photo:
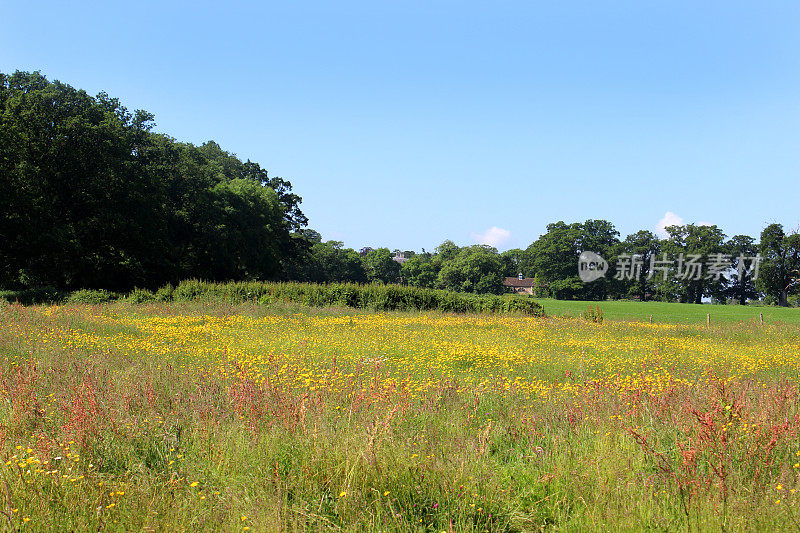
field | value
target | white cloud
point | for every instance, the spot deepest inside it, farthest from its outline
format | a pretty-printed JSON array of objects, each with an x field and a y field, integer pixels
[
  {"x": 670, "y": 219},
  {"x": 493, "y": 236}
]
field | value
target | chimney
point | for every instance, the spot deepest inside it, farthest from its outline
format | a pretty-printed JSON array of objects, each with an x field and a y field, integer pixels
[{"x": 520, "y": 276}]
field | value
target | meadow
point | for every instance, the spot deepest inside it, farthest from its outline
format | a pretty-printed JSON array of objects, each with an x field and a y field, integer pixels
[{"x": 213, "y": 416}]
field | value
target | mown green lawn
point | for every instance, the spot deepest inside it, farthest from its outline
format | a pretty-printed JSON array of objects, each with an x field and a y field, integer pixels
[{"x": 666, "y": 312}]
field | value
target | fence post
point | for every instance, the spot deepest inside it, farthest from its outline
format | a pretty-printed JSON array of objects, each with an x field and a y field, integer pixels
[
  {"x": 708, "y": 319},
  {"x": 761, "y": 318}
]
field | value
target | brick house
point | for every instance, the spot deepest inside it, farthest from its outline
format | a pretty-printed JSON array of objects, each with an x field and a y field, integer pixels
[{"x": 520, "y": 285}]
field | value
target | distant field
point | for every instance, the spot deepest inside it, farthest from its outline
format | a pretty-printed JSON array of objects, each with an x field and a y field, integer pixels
[{"x": 673, "y": 313}]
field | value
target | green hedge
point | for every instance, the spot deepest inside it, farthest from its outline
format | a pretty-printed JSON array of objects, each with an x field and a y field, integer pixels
[
  {"x": 374, "y": 297},
  {"x": 38, "y": 295}
]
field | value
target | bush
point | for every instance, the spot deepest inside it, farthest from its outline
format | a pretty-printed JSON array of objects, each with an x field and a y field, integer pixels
[
  {"x": 89, "y": 296},
  {"x": 164, "y": 294},
  {"x": 138, "y": 296}
]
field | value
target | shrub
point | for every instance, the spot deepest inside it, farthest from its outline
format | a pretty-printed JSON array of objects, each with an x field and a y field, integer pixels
[
  {"x": 89, "y": 296},
  {"x": 138, "y": 296},
  {"x": 164, "y": 294}
]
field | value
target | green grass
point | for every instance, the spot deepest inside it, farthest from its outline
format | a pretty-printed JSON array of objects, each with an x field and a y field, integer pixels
[{"x": 673, "y": 313}]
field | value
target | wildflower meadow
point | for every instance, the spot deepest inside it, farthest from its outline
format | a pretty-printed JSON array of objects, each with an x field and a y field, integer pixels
[{"x": 212, "y": 416}]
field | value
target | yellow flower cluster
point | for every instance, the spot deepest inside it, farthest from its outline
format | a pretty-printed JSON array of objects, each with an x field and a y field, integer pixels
[{"x": 536, "y": 357}]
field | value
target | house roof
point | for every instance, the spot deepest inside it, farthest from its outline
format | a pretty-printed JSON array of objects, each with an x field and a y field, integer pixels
[{"x": 516, "y": 282}]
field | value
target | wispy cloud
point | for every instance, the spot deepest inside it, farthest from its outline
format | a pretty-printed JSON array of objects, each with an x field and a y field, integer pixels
[{"x": 493, "y": 236}]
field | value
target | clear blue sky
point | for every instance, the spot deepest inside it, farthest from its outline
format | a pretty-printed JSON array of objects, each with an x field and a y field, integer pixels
[{"x": 406, "y": 123}]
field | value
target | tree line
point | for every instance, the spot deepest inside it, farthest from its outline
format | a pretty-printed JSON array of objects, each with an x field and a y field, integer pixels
[
  {"x": 552, "y": 262},
  {"x": 92, "y": 197}
]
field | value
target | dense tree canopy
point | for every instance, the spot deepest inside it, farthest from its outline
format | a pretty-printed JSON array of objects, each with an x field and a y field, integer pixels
[{"x": 91, "y": 197}]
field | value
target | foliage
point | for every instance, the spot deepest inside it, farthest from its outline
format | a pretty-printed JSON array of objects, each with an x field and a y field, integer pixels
[
  {"x": 513, "y": 262},
  {"x": 645, "y": 246},
  {"x": 421, "y": 270},
  {"x": 742, "y": 287},
  {"x": 327, "y": 262},
  {"x": 700, "y": 243},
  {"x": 164, "y": 294},
  {"x": 89, "y": 296}
]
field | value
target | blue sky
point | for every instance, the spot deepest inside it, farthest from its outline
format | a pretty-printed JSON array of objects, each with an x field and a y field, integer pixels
[{"x": 402, "y": 124}]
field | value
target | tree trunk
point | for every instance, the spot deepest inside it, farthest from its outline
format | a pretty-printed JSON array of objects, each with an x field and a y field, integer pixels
[
  {"x": 783, "y": 298},
  {"x": 698, "y": 294}
]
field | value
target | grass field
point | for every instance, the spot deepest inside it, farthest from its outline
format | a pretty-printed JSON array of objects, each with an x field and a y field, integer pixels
[
  {"x": 218, "y": 417},
  {"x": 674, "y": 313}
]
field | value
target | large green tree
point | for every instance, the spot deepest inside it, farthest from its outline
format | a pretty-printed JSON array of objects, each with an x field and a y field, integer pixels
[
  {"x": 421, "y": 270},
  {"x": 554, "y": 258},
  {"x": 381, "y": 267},
  {"x": 780, "y": 269},
  {"x": 91, "y": 197},
  {"x": 514, "y": 262},
  {"x": 473, "y": 269},
  {"x": 742, "y": 286},
  {"x": 640, "y": 248},
  {"x": 328, "y": 262},
  {"x": 693, "y": 249}
]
